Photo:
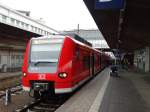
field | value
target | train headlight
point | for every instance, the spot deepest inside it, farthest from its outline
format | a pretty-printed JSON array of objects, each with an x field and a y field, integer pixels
[
  {"x": 62, "y": 75},
  {"x": 24, "y": 74}
]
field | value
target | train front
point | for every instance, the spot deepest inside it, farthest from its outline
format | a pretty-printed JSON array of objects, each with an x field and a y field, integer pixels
[{"x": 42, "y": 71}]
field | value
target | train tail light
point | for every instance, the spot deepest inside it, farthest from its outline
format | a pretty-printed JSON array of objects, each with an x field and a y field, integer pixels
[
  {"x": 24, "y": 74},
  {"x": 63, "y": 75}
]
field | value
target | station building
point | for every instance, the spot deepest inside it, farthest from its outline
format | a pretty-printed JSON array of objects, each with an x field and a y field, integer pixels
[
  {"x": 93, "y": 36},
  {"x": 16, "y": 28}
]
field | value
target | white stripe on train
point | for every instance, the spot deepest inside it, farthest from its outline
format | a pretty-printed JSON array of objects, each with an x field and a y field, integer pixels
[{"x": 63, "y": 90}]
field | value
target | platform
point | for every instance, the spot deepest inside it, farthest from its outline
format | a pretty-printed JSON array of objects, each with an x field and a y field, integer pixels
[
  {"x": 130, "y": 92},
  {"x": 89, "y": 97}
]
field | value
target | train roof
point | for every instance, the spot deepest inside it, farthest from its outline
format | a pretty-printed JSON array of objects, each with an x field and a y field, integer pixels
[
  {"x": 50, "y": 36},
  {"x": 77, "y": 37},
  {"x": 62, "y": 36}
]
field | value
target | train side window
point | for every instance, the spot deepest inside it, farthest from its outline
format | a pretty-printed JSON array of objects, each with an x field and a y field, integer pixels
[
  {"x": 86, "y": 62},
  {"x": 77, "y": 53},
  {"x": 95, "y": 59}
]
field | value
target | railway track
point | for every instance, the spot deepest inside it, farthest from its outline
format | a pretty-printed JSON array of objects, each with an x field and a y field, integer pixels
[
  {"x": 42, "y": 105},
  {"x": 14, "y": 90}
]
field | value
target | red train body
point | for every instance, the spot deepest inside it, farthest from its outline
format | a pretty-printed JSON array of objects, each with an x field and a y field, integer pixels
[{"x": 59, "y": 64}]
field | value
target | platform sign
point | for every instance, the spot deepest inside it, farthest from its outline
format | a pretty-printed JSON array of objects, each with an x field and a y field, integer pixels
[
  {"x": 117, "y": 53},
  {"x": 109, "y": 4}
]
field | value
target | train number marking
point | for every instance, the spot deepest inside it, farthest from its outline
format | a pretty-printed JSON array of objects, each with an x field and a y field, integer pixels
[{"x": 42, "y": 76}]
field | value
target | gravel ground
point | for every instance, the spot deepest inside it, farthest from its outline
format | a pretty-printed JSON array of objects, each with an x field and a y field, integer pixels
[
  {"x": 9, "y": 79},
  {"x": 9, "y": 82},
  {"x": 18, "y": 101}
]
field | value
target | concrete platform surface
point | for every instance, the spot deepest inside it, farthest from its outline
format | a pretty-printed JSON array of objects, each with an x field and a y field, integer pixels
[
  {"x": 127, "y": 93},
  {"x": 89, "y": 97}
]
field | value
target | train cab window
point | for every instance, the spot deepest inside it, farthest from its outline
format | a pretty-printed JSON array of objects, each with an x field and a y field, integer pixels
[{"x": 44, "y": 54}]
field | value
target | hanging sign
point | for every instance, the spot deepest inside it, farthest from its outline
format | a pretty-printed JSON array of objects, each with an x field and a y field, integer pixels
[{"x": 109, "y": 4}]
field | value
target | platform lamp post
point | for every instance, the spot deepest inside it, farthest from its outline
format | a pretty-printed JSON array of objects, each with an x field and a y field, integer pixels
[
  {"x": 78, "y": 29},
  {"x": 121, "y": 20}
]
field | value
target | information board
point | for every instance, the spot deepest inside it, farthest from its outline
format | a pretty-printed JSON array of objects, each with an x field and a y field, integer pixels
[{"x": 109, "y": 4}]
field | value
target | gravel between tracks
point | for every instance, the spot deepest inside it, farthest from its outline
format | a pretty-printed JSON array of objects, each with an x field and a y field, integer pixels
[
  {"x": 17, "y": 102},
  {"x": 9, "y": 79}
]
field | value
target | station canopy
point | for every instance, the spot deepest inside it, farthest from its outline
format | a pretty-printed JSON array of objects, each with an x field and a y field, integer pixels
[{"x": 125, "y": 24}]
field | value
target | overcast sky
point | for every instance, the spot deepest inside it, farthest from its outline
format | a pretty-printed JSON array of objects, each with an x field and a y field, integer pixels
[{"x": 58, "y": 14}]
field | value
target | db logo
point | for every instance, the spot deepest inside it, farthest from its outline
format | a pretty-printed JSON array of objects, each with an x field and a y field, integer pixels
[{"x": 42, "y": 76}]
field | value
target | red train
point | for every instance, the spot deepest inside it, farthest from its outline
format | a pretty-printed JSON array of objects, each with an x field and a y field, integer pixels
[{"x": 59, "y": 64}]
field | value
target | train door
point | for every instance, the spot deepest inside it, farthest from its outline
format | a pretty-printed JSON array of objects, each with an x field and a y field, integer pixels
[{"x": 92, "y": 64}]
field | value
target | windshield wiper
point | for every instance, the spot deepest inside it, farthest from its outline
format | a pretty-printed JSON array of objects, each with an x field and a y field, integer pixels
[{"x": 36, "y": 63}]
